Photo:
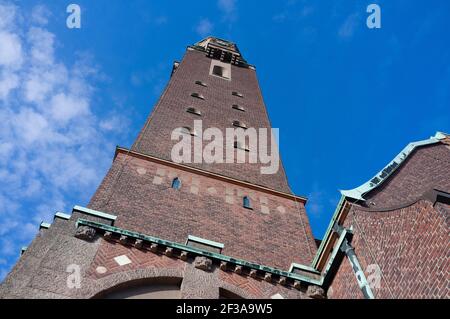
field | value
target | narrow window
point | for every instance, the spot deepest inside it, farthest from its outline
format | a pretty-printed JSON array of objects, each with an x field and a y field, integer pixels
[
  {"x": 176, "y": 183},
  {"x": 237, "y": 94},
  {"x": 239, "y": 124},
  {"x": 198, "y": 96},
  {"x": 246, "y": 202},
  {"x": 201, "y": 83},
  {"x": 193, "y": 110},
  {"x": 238, "y": 107}
]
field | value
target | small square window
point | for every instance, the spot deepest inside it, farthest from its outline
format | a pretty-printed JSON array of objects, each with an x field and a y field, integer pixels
[{"x": 220, "y": 69}]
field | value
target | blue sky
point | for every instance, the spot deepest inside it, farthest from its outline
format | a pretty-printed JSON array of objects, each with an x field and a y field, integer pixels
[{"x": 346, "y": 98}]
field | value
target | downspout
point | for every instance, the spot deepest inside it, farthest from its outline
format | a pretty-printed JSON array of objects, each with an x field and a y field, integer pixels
[
  {"x": 349, "y": 251},
  {"x": 347, "y": 248}
]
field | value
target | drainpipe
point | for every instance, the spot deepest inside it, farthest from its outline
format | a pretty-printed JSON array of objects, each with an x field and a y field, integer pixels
[{"x": 359, "y": 273}]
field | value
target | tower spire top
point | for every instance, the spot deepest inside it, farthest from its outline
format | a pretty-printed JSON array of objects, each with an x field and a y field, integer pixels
[{"x": 221, "y": 49}]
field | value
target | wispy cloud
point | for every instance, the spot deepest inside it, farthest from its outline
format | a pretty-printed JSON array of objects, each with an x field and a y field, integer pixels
[
  {"x": 229, "y": 9},
  {"x": 53, "y": 147},
  {"x": 348, "y": 28},
  {"x": 294, "y": 13},
  {"x": 204, "y": 27},
  {"x": 315, "y": 202},
  {"x": 40, "y": 15},
  {"x": 228, "y": 6}
]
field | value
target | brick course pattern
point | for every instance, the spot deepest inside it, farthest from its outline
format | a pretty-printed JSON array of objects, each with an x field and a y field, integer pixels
[
  {"x": 411, "y": 243},
  {"x": 170, "y": 113},
  {"x": 275, "y": 232}
]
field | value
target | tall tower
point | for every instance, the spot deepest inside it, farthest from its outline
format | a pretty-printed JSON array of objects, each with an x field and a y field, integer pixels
[{"x": 156, "y": 227}]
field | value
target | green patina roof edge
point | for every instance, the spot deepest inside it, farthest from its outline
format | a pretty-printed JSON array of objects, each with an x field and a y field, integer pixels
[
  {"x": 61, "y": 215},
  {"x": 432, "y": 140},
  {"x": 206, "y": 241},
  {"x": 358, "y": 192},
  {"x": 92, "y": 212},
  {"x": 328, "y": 232},
  {"x": 198, "y": 251},
  {"x": 44, "y": 225}
]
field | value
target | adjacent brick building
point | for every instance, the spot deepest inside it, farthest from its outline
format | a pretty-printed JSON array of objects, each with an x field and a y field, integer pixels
[{"x": 156, "y": 228}]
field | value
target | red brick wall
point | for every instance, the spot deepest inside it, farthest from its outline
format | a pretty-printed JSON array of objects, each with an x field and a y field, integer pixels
[
  {"x": 410, "y": 245},
  {"x": 275, "y": 233},
  {"x": 406, "y": 236},
  {"x": 140, "y": 259},
  {"x": 344, "y": 284},
  {"x": 170, "y": 113},
  {"x": 427, "y": 168}
]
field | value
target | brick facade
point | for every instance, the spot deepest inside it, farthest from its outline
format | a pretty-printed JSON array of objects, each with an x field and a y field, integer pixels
[
  {"x": 142, "y": 198},
  {"x": 401, "y": 227},
  {"x": 409, "y": 242},
  {"x": 170, "y": 113},
  {"x": 209, "y": 204}
]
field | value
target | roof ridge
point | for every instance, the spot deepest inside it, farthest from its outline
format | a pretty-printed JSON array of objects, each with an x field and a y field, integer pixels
[{"x": 358, "y": 192}]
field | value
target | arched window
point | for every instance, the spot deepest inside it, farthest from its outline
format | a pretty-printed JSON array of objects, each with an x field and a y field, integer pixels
[
  {"x": 201, "y": 83},
  {"x": 187, "y": 130},
  {"x": 246, "y": 203},
  {"x": 238, "y": 107},
  {"x": 176, "y": 183},
  {"x": 238, "y": 145},
  {"x": 239, "y": 124},
  {"x": 193, "y": 110},
  {"x": 237, "y": 94},
  {"x": 198, "y": 96}
]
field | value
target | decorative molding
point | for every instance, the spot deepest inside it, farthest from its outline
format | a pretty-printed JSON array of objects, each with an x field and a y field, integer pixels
[
  {"x": 205, "y": 242},
  {"x": 158, "y": 245},
  {"x": 62, "y": 216},
  {"x": 44, "y": 225},
  {"x": 95, "y": 213},
  {"x": 358, "y": 192},
  {"x": 128, "y": 152}
]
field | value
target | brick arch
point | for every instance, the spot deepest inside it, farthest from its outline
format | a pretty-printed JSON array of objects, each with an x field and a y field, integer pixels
[
  {"x": 133, "y": 278},
  {"x": 225, "y": 287}
]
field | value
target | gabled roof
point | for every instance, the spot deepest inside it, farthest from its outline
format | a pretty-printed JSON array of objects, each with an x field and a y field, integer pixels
[{"x": 359, "y": 192}]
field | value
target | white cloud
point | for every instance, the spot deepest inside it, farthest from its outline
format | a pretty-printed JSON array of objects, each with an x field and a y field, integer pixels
[
  {"x": 10, "y": 50},
  {"x": 7, "y": 16},
  {"x": 40, "y": 15},
  {"x": 66, "y": 107},
  {"x": 8, "y": 82},
  {"x": 204, "y": 27},
  {"x": 30, "y": 126},
  {"x": 42, "y": 43},
  {"x": 51, "y": 148}
]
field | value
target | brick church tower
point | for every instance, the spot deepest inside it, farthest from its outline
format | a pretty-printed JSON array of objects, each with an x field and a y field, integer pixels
[{"x": 159, "y": 228}]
